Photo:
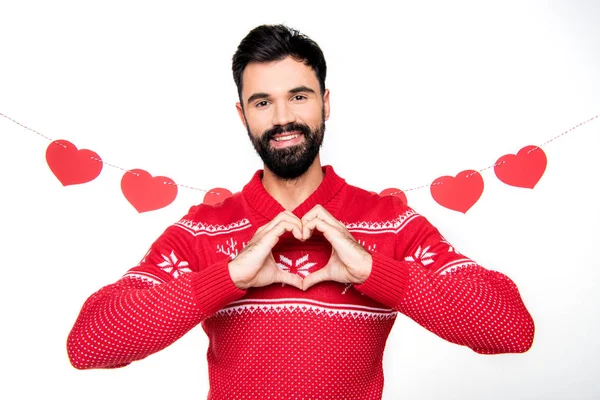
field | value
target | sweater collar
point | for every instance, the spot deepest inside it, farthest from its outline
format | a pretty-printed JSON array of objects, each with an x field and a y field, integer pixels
[{"x": 262, "y": 202}]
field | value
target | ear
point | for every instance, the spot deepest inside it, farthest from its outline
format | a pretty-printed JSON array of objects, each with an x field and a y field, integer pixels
[
  {"x": 326, "y": 104},
  {"x": 240, "y": 111}
]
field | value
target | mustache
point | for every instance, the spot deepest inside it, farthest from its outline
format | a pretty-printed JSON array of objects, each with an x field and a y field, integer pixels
[{"x": 291, "y": 127}]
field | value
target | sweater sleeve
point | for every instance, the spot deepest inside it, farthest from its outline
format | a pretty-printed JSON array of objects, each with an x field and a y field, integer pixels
[
  {"x": 151, "y": 306},
  {"x": 449, "y": 294}
]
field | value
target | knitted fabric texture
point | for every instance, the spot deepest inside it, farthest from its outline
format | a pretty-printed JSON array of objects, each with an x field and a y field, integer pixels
[{"x": 279, "y": 342}]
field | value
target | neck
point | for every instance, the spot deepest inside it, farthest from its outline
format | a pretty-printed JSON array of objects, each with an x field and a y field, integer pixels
[{"x": 291, "y": 193}]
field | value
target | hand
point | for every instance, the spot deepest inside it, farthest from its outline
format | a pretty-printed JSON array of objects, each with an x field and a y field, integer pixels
[
  {"x": 349, "y": 261},
  {"x": 255, "y": 265}
]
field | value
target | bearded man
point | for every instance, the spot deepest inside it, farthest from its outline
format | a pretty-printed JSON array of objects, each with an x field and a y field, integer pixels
[{"x": 296, "y": 280}]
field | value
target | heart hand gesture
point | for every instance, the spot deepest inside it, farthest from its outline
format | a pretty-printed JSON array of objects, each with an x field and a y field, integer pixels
[
  {"x": 349, "y": 261},
  {"x": 256, "y": 267}
]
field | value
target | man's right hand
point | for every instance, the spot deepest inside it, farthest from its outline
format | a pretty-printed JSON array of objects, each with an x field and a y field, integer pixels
[{"x": 255, "y": 266}]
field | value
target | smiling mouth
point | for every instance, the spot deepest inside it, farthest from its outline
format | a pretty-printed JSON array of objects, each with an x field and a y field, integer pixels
[{"x": 283, "y": 138}]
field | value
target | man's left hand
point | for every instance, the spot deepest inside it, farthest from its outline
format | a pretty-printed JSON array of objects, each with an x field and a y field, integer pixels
[{"x": 349, "y": 261}]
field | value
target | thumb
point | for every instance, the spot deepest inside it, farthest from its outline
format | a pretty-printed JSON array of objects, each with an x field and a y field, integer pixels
[
  {"x": 289, "y": 279},
  {"x": 316, "y": 277}
]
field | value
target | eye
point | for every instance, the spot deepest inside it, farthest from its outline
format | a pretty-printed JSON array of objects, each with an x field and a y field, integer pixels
[
  {"x": 261, "y": 104},
  {"x": 299, "y": 97}
]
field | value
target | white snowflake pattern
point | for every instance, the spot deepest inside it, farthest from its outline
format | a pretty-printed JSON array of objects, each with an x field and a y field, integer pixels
[
  {"x": 172, "y": 265},
  {"x": 422, "y": 255},
  {"x": 369, "y": 247},
  {"x": 301, "y": 266},
  {"x": 230, "y": 248},
  {"x": 451, "y": 248}
]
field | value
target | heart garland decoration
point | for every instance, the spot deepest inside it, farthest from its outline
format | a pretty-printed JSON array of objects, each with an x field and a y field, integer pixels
[
  {"x": 394, "y": 192},
  {"x": 523, "y": 169},
  {"x": 216, "y": 195},
  {"x": 73, "y": 166},
  {"x": 458, "y": 193},
  {"x": 70, "y": 165},
  {"x": 147, "y": 193}
]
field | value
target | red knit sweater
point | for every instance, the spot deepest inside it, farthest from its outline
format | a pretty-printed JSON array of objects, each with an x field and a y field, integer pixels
[{"x": 279, "y": 342}]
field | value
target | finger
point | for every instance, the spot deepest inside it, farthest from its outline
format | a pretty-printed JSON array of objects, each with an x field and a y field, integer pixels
[
  {"x": 307, "y": 230},
  {"x": 289, "y": 279},
  {"x": 318, "y": 276},
  {"x": 321, "y": 214},
  {"x": 278, "y": 219},
  {"x": 282, "y": 227},
  {"x": 327, "y": 229},
  {"x": 319, "y": 211},
  {"x": 290, "y": 214},
  {"x": 288, "y": 219},
  {"x": 293, "y": 227},
  {"x": 270, "y": 236}
]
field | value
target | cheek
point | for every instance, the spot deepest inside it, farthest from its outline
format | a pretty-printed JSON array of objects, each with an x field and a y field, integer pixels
[
  {"x": 312, "y": 117},
  {"x": 258, "y": 123},
  {"x": 256, "y": 129}
]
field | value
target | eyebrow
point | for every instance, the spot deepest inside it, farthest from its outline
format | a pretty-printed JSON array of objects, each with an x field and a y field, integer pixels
[{"x": 262, "y": 95}]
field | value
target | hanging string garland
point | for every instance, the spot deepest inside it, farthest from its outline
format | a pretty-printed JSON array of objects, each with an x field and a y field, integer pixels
[
  {"x": 460, "y": 193},
  {"x": 73, "y": 166}
]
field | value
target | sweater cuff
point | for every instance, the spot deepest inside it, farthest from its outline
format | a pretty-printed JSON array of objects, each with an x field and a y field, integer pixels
[
  {"x": 213, "y": 288},
  {"x": 387, "y": 281}
]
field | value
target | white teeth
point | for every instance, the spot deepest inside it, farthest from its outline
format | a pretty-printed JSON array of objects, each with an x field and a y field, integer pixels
[{"x": 288, "y": 137}]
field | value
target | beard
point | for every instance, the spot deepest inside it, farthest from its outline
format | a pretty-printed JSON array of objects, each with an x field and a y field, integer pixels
[{"x": 291, "y": 162}]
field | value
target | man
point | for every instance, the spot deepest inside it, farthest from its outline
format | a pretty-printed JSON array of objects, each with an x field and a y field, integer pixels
[{"x": 298, "y": 278}]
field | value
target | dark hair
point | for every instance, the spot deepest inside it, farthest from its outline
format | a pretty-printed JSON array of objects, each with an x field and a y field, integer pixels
[{"x": 267, "y": 43}]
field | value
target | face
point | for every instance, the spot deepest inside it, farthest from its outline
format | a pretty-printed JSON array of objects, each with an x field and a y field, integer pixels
[{"x": 285, "y": 115}]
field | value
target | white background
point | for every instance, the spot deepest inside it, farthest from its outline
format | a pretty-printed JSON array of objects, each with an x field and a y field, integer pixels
[{"x": 418, "y": 90}]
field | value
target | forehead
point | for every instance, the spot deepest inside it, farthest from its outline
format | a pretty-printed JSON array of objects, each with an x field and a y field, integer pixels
[{"x": 277, "y": 77}]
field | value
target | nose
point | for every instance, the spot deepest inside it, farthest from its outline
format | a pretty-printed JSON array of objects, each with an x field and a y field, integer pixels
[{"x": 283, "y": 114}]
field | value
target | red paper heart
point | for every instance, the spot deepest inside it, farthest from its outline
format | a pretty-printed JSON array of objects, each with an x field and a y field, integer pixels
[
  {"x": 522, "y": 170},
  {"x": 72, "y": 166},
  {"x": 146, "y": 193},
  {"x": 216, "y": 195},
  {"x": 394, "y": 192},
  {"x": 458, "y": 193}
]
